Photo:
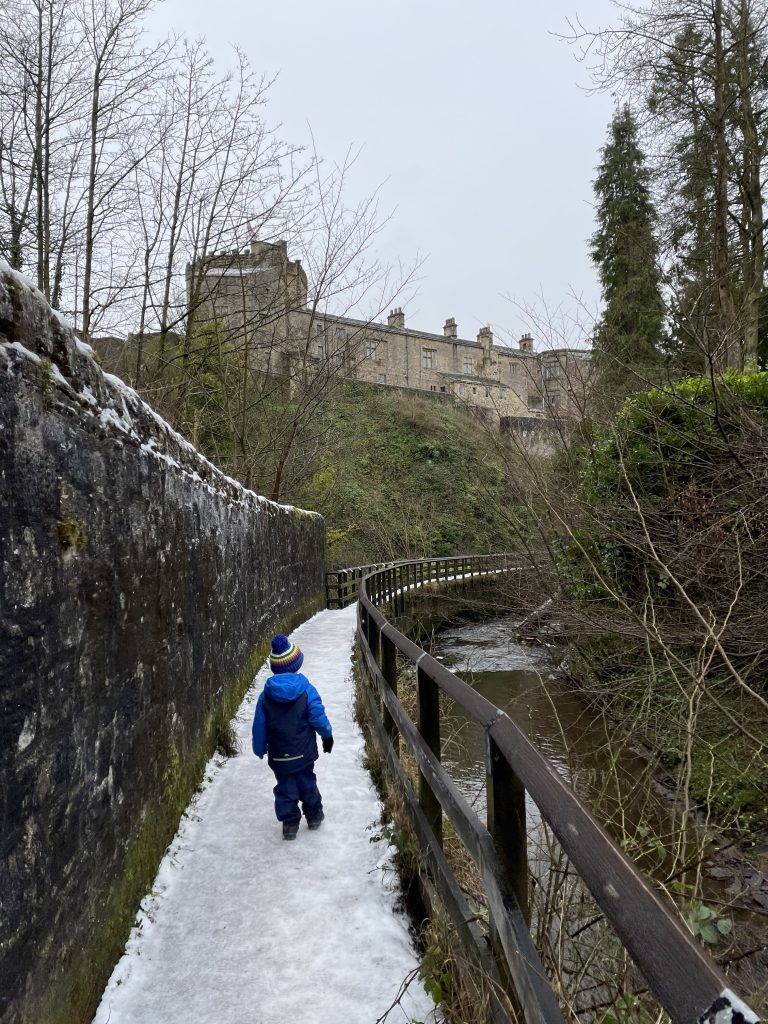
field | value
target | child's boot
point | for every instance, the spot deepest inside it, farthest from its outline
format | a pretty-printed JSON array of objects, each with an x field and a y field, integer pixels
[
  {"x": 290, "y": 831},
  {"x": 316, "y": 822}
]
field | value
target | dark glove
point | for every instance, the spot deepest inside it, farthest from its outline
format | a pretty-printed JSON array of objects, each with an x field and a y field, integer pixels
[{"x": 327, "y": 744}]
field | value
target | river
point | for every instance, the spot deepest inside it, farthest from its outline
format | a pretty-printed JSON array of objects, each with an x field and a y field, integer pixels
[{"x": 619, "y": 785}]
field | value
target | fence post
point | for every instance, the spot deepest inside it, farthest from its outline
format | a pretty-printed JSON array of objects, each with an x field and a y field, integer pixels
[
  {"x": 389, "y": 671},
  {"x": 373, "y": 638},
  {"x": 506, "y": 823},
  {"x": 428, "y": 697}
]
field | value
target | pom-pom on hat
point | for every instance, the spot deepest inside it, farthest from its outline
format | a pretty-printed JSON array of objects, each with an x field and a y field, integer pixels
[{"x": 285, "y": 656}]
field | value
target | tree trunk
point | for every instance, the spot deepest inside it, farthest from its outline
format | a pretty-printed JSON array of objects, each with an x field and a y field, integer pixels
[
  {"x": 728, "y": 349},
  {"x": 753, "y": 218}
]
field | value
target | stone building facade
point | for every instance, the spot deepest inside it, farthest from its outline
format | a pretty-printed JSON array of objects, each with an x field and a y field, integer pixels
[{"x": 261, "y": 299}]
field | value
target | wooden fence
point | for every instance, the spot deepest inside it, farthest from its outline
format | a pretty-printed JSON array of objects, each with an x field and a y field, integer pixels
[
  {"x": 342, "y": 586},
  {"x": 686, "y": 982}
]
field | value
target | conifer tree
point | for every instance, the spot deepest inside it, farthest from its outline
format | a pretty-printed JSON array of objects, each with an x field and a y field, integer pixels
[{"x": 630, "y": 334}]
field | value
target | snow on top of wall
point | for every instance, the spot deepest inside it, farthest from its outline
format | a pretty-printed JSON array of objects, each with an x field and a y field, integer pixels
[
  {"x": 27, "y": 284},
  {"x": 124, "y": 408},
  {"x": 21, "y": 280},
  {"x": 133, "y": 397},
  {"x": 23, "y": 351}
]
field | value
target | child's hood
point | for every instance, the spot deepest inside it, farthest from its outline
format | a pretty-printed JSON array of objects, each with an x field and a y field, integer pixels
[{"x": 286, "y": 686}]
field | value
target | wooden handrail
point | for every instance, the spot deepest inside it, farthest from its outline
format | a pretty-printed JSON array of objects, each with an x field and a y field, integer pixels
[
  {"x": 686, "y": 982},
  {"x": 342, "y": 586}
]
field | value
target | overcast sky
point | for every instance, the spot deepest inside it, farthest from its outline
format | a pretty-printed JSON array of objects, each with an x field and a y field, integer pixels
[{"x": 473, "y": 114}]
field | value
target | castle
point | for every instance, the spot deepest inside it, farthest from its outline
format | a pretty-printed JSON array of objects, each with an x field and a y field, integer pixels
[{"x": 261, "y": 299}]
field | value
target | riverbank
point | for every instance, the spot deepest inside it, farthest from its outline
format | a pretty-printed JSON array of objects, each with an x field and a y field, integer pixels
[{"x": 699, "y": 869}]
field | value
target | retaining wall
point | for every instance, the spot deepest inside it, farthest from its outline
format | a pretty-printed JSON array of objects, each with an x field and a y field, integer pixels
[{"x": 138, "y": 586}]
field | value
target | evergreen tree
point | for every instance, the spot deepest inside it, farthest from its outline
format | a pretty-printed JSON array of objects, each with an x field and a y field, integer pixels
[
  {"x": 630, "y": 336},
  {"x": 687, "y": 181}
]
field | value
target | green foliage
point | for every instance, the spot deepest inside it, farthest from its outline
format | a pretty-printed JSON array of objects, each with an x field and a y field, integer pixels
[
  {"x": 664, "y": 438},
  {"x": 396, "y": 837},
  {"x": 624, "y": 250},
  {"x": 44, "y": 372},
  {"x": 661, "y": 461},
  {"x": 436, "y": 974},
  {"x": 670, "y": 527},
  {"x": 404, "y": 476},
  {"x": 708, "y": 926},
  {"x": 625, "y": 1009}
]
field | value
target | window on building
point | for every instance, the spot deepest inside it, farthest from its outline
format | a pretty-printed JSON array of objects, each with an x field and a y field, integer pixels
[
  {"x": 462, "y": 390},
  {"x": 381, "y": 378},
  {"x": 487, "y": 392},
  {"x": 320, "y": 348},
  {"x": 370, "y": 348},
  {"x": 550, "y": 370},
  {"x": 513, "y": 369},
  {"x": 433, "y": 387},
  {"x": 553, "y": 397},
  {"x": 427, "y": 358},
  {"x": 469, "y": 365},
  {"x": 534, "y": 401},
  {"x": 319, "y": 329},
  {"x": 340, "y": 335}
]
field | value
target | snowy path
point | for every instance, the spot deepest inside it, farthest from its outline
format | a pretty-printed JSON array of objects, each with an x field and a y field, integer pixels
[{"x": 245, "y": 928}]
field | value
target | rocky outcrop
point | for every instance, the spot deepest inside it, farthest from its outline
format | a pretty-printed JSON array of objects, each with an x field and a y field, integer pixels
[{"x": 136, "y": 583}]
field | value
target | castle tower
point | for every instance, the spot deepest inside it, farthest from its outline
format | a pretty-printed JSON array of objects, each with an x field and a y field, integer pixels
[{"x": 241, "y": 292}]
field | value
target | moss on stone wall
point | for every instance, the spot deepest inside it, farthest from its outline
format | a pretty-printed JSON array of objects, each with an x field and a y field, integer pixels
[
  {"x": 72, "y": 997},
  {"x": 71, "y": 534},
  {"x": 138, "y": 581}
]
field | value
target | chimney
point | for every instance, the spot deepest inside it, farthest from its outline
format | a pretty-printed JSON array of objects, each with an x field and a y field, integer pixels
[
  {"x": 485, "y": 338},
  {"x": 396, "y": 318},
  {"x": 526, "y": 343},
  {"x": 450, "y": 330}
]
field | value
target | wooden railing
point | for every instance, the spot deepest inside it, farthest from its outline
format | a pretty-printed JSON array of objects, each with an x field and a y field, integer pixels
[
  {"x": 342, "y": 586},
  {"x": 684, "y": 980}
]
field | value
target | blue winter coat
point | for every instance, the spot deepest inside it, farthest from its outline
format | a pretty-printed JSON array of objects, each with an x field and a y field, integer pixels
[{"x": 289, "y": 712}]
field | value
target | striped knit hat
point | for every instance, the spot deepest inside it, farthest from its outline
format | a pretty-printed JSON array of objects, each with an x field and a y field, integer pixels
[{"x": 285, "y": 656}]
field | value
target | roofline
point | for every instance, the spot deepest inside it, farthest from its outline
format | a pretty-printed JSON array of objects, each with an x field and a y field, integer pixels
[{"x": 374, "y": 325}]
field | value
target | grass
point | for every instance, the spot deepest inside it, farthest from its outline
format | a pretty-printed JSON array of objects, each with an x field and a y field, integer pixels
[{"x": 402, "y": 476}]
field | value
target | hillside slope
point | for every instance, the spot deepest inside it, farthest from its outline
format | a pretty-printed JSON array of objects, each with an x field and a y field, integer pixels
[{"x": 404, "y": 476}]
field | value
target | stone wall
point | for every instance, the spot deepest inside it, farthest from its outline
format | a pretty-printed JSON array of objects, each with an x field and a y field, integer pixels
[
  {"x": 138, "y": 586},
  {"x": 536, "y": 436}
]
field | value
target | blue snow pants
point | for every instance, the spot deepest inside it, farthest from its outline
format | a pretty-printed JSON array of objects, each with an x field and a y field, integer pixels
[{"x": 292, "y": 788}]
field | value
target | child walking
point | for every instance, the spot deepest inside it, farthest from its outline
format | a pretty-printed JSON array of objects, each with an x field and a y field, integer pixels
[{"x": 289, "y": 712}]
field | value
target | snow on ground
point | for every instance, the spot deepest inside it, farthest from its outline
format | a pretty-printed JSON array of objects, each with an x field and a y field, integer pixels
[{"x": 243, "y": 927}]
